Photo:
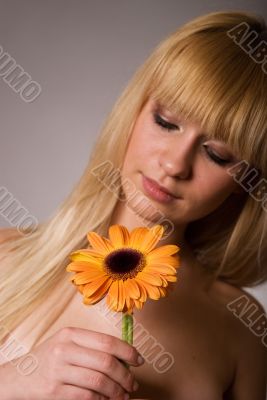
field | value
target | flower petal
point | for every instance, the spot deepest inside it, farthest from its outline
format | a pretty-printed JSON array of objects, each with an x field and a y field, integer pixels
[
  {"x": 113, "y": 295},
  {"x": 163, "y": 291},
  {"x": 164, "y": 281},
  {"x": 132, "y": 289},
  {"x": 87, "y": 276},
  {"x": 166, "y": 250},
  {"x": 99, "y": 243},
  {"x": 84, "y": 265},
  {"x": 138, "y": 304},
  {"x": 149, "y": 278},
  {"x": 121, "y": 301},
  {"x": 129, "y": 304},
  {"x": 137, "y": 236},
  {"x": 80, "y": 256},
  {"x": 95, "y": 298},
  {"x": 152, "y": 238},
  {"x": 119, "y": 236},
  {"x": 80, "y": 288},
  {"x": 143, "y": 292},
  {"x": 170, "y": 278},
  {"x": 152, "y": 291},
  {"x": 170, "y": 260},
  {"x": 103, "y": 283},
  {"x": 161, "y": 269}
]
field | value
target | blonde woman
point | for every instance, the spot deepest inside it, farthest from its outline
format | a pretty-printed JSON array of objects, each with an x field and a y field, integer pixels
[{"x": 183, "y": 129}]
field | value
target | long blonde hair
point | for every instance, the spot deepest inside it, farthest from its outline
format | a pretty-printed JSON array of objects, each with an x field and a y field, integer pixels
[{"x": 197, "y": 70}]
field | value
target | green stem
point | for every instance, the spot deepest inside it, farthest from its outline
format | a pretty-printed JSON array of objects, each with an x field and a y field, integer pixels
[
  {"x": 127, "y": 330},
  {"x": 125, "y": 327}
]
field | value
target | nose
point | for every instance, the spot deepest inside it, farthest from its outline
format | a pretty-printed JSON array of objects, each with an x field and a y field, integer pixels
[{"x": 177, "y": 158}]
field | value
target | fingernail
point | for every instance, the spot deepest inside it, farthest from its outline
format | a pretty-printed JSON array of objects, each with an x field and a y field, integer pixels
[
  {"x": 140, "y": 360},
  {"x": 135, "y": 386}
]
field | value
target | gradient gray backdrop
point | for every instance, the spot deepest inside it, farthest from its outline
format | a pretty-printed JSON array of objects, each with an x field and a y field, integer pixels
[{"x": 82, "y": 53}]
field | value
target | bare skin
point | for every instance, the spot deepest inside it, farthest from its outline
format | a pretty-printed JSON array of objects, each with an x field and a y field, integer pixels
[
  {"x": 208, "y": 344},
  {"x": 212, "y": 351}
]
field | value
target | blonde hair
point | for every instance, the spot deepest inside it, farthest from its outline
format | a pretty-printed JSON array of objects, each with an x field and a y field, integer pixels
[{"x": 198, "y": 71}]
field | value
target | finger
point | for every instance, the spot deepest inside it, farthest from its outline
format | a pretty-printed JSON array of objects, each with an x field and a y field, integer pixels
[
  {"x": 92, "y": 380},
  {"x": 102, "y": 362},
  {"x": 106, "y": 343}
]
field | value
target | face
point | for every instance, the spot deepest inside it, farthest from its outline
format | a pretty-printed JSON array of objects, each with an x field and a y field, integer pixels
[{"x": 175, "y": 153}]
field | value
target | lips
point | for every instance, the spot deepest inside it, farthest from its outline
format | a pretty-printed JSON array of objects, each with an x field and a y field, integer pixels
[{"x": 162, "y": 188}]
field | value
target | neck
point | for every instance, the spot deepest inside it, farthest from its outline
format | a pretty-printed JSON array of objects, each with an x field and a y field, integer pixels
[
  {"x": 124, "y": 215},
  {"x": 191, "y": 273}
]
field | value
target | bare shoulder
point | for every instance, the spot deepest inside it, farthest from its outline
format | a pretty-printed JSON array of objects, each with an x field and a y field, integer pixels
[
  {"x": 243, "y": 315},
  {"x": 233, "y": 296},
  {"x": 242, "y": 308},
  {"x": 247, "y": 333}
]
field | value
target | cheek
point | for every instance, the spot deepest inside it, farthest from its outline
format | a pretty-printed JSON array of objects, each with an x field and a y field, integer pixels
[
  {"x": 141, "y": 148},
  {"x": 213, "y": 190}
]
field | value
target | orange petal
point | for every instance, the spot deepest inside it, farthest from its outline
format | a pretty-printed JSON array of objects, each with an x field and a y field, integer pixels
[
  {"x": 163, "y": 291},
  {"x": 101, "y": 283},
  {"x": 138, "y": 304},
  {"x": 113, "y": 295},
  {"x": 166, "y": 250},
  {"x": 84, "y": 266},
  {"x": 152, "y": 238},
  {"x": 152, "y": 291},
  {"x": 121, "y": 301},
  {"x": 137, "y": 236},
  {"x": 91, "y": 252},
  {"x": 83, "y": 278},
  {"x": 85, "y": 256},
  {"x": 129, "y": 304},
  {"x": 132, "y": 289},
  {"x": 170, "y": 278},
  {"x": 119, "y": 236},
  {"x": 161, "y": 269},
  {"x": 171, "y": 260},
  {"x": 95, "y": 298},
  {"x": 100, "y": 243},
  {"x": 164, "y": 281},
  {"x": 143, "y": 292},
  {"x": 149, "y": 278},
  {"x": 72, "y": 267},
  {"x": 80, "y": 288}
]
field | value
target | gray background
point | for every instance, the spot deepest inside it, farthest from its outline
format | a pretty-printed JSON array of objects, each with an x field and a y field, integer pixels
[{"x": 82, "y": 53}]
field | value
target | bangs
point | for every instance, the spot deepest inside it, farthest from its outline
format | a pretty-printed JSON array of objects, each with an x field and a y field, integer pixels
[{"x": 209, "y": 79}]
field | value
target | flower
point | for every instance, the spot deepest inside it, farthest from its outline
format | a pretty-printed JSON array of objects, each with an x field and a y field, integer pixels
[{"x": 126, "y": 268}]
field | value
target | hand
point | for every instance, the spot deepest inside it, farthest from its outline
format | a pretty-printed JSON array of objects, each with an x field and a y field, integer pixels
[{"x": 77, "y": 363}]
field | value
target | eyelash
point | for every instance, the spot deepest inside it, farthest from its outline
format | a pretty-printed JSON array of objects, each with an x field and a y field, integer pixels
[{"x": 171, "y": 127}]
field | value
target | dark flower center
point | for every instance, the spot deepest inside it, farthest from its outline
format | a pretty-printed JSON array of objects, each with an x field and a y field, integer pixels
[{"x": 124, "y": 263}]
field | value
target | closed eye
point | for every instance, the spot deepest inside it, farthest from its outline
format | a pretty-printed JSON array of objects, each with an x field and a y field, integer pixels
[
  {"x": 214, "y": 157},
  {"x": 164, "y": 124},
  {"x": 171, "y": 127}
]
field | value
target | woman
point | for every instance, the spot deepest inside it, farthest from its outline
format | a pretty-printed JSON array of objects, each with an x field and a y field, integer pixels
[{"x": 190, "y": 120}]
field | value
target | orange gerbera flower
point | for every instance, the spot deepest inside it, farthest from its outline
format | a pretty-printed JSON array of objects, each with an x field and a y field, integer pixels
[{"x": 126, "y": 268}]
